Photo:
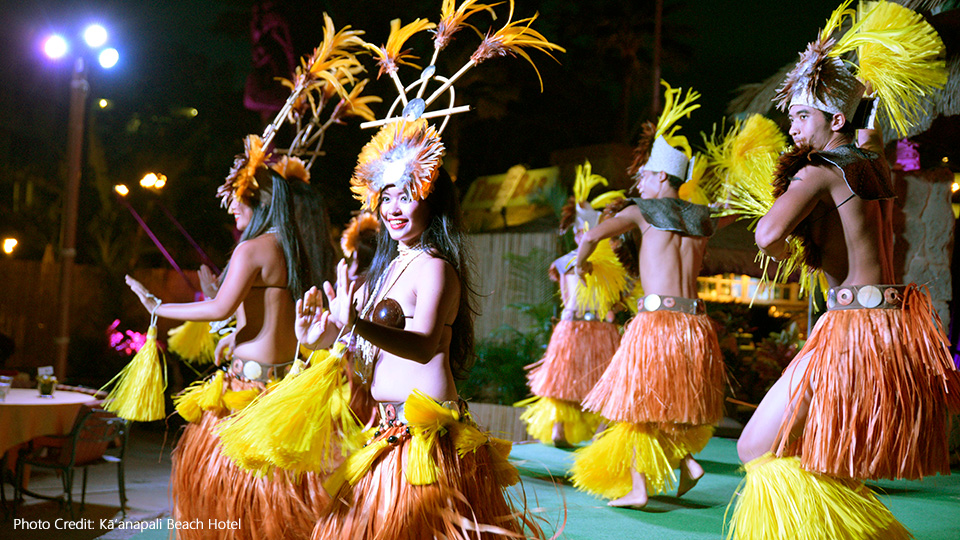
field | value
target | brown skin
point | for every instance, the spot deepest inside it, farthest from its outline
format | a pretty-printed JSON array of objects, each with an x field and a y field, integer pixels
[
  {"x": 669, "y": 265},
  {"x": 857, "y": 244},
  {"x": 255, "y": 285},
  {"x": 418, "y": 356}
]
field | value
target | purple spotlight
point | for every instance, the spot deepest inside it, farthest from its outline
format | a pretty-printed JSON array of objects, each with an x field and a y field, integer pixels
[{"x": 55, "y": 47}]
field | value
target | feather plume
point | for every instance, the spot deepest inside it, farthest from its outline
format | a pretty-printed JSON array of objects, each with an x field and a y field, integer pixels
[
  {"x": 585, "y": 181},
  {"x": 392, "y": 54},
  {"x": 291, "y": 168},
  {"x": 512, "y": 39},
  {"x": 452, "y": 18},
  {"x": 675, "y": 108},
  {"x": 241, "y": 182},
  {"x": 900, "y": 54}
]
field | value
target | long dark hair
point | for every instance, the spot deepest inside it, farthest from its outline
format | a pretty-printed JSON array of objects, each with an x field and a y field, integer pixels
[
  {"x": 295, "y": 212},
  {"x": 445, "y": 238}
]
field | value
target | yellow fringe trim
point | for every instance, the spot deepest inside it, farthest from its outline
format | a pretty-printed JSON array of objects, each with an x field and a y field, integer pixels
[
  {"x": 138, "y": 393},
  {"x": 603, "y": 468},
  {"x": 355, "y": 466},
  {"x": 602, "y": 287},
  {"x": 779, "y": 499},
  {"x": 543, "y": 412},
  {"x": 193, "y": 342},
  {"x": 303, "y": 424},
  {"x": 187, "y": 403}
]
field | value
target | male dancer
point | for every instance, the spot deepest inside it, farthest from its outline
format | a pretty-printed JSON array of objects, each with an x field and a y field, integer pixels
[
  {"x": 663, "y": 388},
  {"x": 866, "y": 397}
]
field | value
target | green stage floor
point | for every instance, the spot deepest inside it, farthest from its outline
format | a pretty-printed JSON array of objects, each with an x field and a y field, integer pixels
[{"x": 930, "y": 509}]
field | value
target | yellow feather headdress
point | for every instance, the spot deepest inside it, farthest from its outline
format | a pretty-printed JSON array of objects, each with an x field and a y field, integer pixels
[
  {"x": 328, "y": 76},
  {"x": 407, "y": 151},
  {"x": 896, "y": 50}
]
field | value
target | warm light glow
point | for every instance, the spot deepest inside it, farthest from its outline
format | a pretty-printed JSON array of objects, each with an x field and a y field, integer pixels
[
  {"x": 153, "y": 181},
  {"x": 9, "y": 244},
  {"x": 55, "y": 47},
  {"x": 95, "y": 35},
  {"x": 945, "y": 159},
  {"x": 121, "y": 189},
  {"x": 103, "y": 103},
  {"x": 194, "y": 112},
  {"x": 955, "y": 187},
  {"x": 109, "y": 58}
]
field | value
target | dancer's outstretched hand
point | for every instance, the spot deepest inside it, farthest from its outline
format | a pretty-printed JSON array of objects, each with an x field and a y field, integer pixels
[
  {"x": 342, "y": 310},
  {"x": 312, "y": 319},
  {"x": 148, "y": 300}
]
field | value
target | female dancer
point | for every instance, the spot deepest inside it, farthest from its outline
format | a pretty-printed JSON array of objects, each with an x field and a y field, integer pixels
[
  {"x": 429, "y": 471},
  {"x": 276, "y": 256}
]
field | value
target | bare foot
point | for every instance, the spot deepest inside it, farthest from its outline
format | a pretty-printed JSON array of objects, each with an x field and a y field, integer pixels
[
  {"x": 559, "y": 436},
  {"x": 690, "y": 473},
  {"x": 637, "y": 498}
]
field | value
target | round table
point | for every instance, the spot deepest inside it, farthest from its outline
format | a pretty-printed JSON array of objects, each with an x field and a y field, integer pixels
[{"x": 24, "y": 415}]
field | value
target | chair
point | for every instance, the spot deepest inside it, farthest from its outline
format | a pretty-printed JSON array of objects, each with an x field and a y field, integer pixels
[{"x": 93, "y": 433}]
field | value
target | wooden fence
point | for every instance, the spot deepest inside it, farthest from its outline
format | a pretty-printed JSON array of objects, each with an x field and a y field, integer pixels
[{"x": 29, "y": 298}]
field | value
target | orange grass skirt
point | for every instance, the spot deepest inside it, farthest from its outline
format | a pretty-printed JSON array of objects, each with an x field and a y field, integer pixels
[
  {"x": 206, "y": 485},
  {"x": 468, "y": 501},
  {"x": 878, "y": 382},
  {"x": 668, "y": 369},
  {"x": 578, "y": 353}
]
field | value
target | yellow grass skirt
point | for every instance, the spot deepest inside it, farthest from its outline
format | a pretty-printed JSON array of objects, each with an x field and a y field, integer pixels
[
  {"x": 543, "y": 412},
  {"x": 778, "y": 499},
  {"x": 603, "y": 467},
  {"x": 878, "y": 380},
  {"x": 206, "y": 485},
  {"x": 668, "y": 369}
]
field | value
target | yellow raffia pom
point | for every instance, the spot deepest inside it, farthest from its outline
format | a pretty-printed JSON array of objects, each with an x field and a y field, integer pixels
[
  {"x": 900, "y": 54},
  {"x": 467, "y": 437},
  {"x": 356, "y": 465},
  {"x": 543, "y": 412},
  {"x": 426, "y": 419},
  {"x": 303, "y": 424},
  {"x": 193, "y": 342},
  {"x": 211, "y": 399},
  {"x": 237, "y": 400},
  {"x": 778, "y": 499},
  {"x": 138, "y": 393},
  {"x": 741, "y": 163},
  {"x": 633, "y": 299},
  {"x": 602, "y": 287},
  {"x": 187, "y": 403}
]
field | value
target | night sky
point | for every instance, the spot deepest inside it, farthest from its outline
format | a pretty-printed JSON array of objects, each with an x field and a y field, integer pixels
[{"x": 181, "y": 54}]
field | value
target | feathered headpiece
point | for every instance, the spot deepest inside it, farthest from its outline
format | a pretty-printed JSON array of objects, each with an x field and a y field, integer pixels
[
  {"x": 586, "y": 214},
  {"x": 660, "y": 147},
  {"x": 360, "y": 224},
  {"x": 407, "y": 151},
  {"x": 330, "y": 72},
  {"x": 897, "y": 51}
]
